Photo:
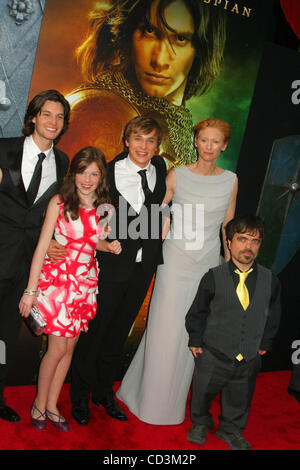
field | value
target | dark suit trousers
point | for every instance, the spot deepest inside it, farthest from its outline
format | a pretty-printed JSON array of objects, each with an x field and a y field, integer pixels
[
  {"x": 99, "y": 351},
  {"x": 236, "y": 384},
  {"x": 11, "y": 290}
]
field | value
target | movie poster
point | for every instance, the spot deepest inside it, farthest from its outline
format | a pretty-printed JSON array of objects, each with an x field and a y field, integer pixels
[
  {"x": 178, "y": 61},
  {"x": 112, "y": 70}
]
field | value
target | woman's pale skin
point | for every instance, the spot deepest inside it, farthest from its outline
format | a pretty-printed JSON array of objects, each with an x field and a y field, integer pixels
[
  {"x": 210, "y": 142},
  {"x": 58, "y": 357}
]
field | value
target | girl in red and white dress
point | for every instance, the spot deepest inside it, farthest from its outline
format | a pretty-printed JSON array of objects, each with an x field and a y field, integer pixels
[{"x": 65, "y": 291}]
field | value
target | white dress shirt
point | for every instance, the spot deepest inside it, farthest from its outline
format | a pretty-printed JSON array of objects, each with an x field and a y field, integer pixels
[
  {"x": 129, "y": 184},
  {"x": 29, "y": 161}
]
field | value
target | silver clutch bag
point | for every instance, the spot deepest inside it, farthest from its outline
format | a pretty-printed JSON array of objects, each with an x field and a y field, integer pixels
[{"x": 35, "y": 321}]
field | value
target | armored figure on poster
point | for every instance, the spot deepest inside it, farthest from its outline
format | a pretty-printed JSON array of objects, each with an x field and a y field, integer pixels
[{"x": 145, "y": 58}]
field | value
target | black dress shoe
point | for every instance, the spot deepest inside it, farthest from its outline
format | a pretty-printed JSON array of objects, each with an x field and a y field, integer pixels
[
  {"x": 81, "y": 413},
  {"x": 294, "y": 393},
  {"x": 8, "y": 414},
  {"x": 235, "y": 441},
  {"x": 111, "y": 407}
]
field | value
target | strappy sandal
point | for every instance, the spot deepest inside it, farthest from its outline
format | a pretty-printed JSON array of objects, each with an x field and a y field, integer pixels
[
  {"x": 61, "y": 424},
  {"x": 38, "y": 423}
]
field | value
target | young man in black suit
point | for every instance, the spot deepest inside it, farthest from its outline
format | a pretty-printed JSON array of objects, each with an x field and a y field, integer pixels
[
  {"x": 123, "y": 284},
  {"x": 31, "y": 170}
]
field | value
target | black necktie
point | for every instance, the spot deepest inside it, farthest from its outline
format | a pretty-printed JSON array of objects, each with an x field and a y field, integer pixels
[
  {"x": 145, "y": 186},
  {"x": 34, "y": 185}
]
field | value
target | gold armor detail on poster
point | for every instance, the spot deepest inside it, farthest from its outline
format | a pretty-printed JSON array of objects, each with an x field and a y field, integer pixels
[{"x": 122, "y": 102}]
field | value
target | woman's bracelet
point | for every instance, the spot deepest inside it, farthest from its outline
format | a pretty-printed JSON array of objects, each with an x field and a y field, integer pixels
[{"x": 30, "y": 292}]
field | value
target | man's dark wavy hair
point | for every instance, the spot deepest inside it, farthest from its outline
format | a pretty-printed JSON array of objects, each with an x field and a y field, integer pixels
[
  {"x": 245, "y": 224},
  {"x": 35, "y": 106}
]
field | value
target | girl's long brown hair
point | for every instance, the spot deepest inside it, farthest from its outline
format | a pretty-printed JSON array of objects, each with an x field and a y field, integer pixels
[{"x": 79, "y": 163}]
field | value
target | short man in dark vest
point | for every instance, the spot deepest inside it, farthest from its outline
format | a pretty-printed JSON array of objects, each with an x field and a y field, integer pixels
[
  {"x": 137, "y": 186},
  {"x": 231, "y": 324},
  {"x": 31, "y": 171}
]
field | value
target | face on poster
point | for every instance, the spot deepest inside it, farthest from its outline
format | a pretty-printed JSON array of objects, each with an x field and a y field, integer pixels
[{"x": 178, "y": 61}]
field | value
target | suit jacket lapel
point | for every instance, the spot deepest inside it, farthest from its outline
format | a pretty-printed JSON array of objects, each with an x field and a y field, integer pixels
[
  {"x": 59, "y": 167},
  {"x": 115, "y": 194},
  {"x": 158, "y": 176},
  {"x": 15, "y": 170},
  {"x": 48, "y": 193}
]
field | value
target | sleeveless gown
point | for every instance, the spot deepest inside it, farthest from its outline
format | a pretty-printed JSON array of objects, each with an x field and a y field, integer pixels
[
  {"x": 156, "y": 384},
  {"x": 67, "y": 289}
]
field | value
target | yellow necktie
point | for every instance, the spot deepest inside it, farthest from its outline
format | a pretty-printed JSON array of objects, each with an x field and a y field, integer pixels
[{"x": 241, "y": 290}]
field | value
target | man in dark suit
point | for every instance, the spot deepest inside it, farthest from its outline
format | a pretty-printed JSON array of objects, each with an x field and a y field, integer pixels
[
  {"x": 123, "y": 284},
  {"x": 231, "y": 324},
  {"x": 31, "y": 170}
]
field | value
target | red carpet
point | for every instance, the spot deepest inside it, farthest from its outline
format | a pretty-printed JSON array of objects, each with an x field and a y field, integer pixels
[{"x": 274, "y": 424}]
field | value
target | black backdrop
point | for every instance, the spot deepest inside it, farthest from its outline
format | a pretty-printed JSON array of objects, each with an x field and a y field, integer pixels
[{"x": 273, "y": 115}]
